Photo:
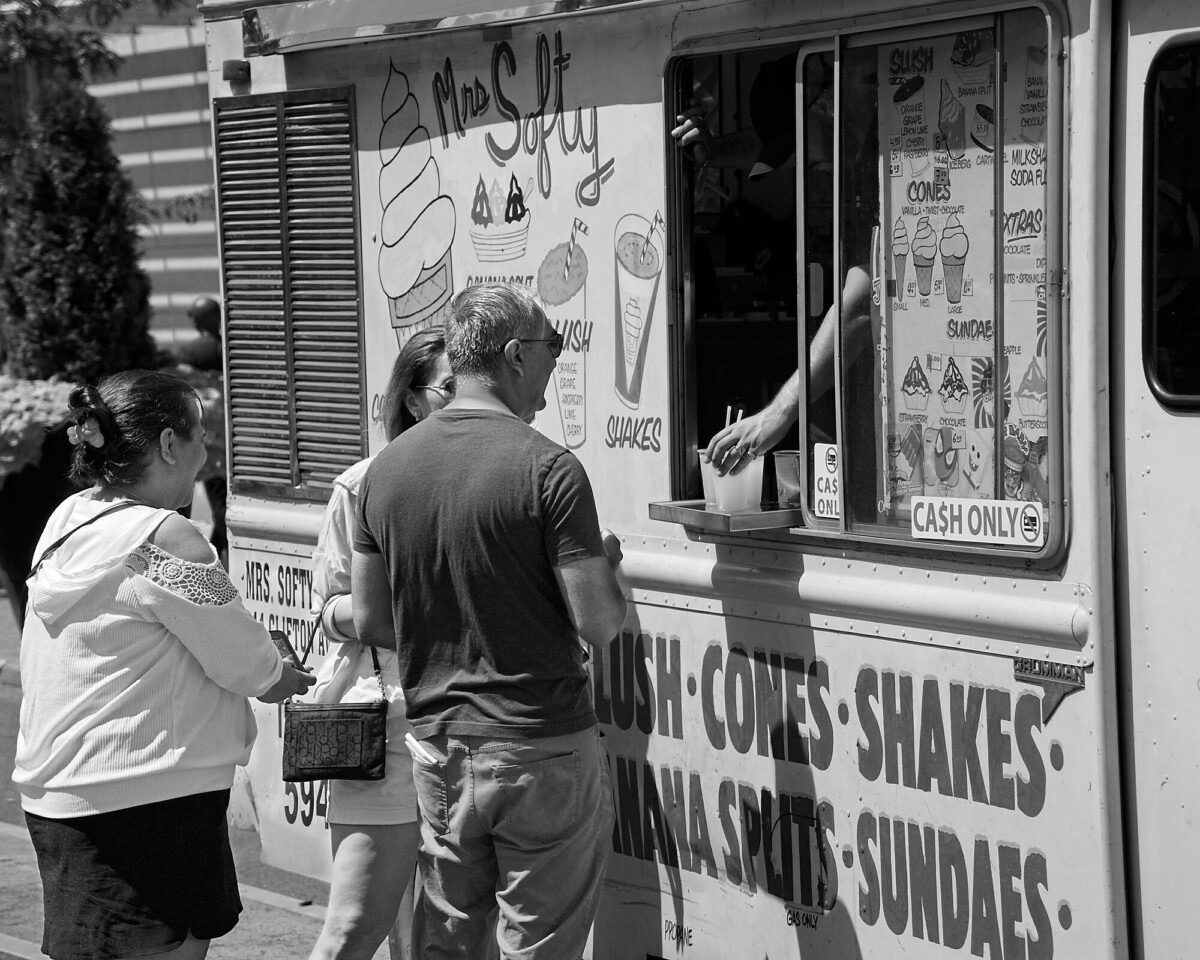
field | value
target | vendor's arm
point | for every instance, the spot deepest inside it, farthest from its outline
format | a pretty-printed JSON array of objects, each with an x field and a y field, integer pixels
[
  {"x": 756, "y": 434},
  {"x": 737, "y": 150}
]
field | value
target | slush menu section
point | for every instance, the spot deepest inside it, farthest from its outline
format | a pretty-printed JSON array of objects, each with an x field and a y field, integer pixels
[{"x": 959, "y": 267}]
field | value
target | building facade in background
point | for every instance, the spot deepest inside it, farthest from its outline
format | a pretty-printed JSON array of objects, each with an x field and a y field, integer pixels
[{"x": 162, "y": 133}]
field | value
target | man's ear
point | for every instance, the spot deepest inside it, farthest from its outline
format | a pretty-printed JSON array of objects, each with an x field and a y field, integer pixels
[
  {"x": 167, "y": 441},
  {"x": 512, "y": 356}
]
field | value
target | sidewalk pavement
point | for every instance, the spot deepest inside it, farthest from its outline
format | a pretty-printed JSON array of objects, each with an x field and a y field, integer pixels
[{"x": 10, "y": 634}]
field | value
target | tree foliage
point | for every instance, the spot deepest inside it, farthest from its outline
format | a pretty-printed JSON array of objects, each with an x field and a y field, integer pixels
[
  {"x": 73, "y": 298},
  {"x": 63, "y": 38}
]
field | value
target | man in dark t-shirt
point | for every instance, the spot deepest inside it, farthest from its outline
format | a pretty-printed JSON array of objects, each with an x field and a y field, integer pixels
[{"x": 479, "y": 552}]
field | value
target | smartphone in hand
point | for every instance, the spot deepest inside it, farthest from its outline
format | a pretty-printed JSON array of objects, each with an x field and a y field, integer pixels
[{"x": 285, "y": 648}]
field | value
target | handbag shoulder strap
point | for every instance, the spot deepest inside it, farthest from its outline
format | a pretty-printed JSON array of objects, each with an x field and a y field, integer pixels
[
  {"x": 74, "y": 530},
  {"x": 378, "y": 675}
]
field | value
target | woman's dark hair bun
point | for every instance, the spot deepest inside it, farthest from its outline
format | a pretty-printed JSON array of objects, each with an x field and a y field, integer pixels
[{"x": 131, "y": 409}]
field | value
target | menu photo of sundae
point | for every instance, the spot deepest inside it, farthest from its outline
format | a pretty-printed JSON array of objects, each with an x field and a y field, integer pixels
[
  {"x": 974, "y": 57},
  {"x": 916, "y": 387},
  {"x": 953, "y": 391}
]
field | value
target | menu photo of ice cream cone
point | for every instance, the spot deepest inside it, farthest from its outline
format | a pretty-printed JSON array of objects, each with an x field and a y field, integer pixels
[
  {"x": 900, "y": 250},
  {"x": 924, "y": 249},
  {"x": 953, "y": 248},
  {"x": 418, "y": 224},
  {"x": 952, "y": 122}
]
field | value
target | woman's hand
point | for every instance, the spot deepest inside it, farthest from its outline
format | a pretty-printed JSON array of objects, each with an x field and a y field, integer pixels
[{"x": 292, "y": 681}]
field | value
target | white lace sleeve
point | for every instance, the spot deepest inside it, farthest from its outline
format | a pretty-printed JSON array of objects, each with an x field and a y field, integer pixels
[
  {"x": 200, "y": 606},
  {"x": 204, "y": 584}
]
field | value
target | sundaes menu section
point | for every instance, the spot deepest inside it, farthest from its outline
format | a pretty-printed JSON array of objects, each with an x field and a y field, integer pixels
[{"x": 963, "y": 398}]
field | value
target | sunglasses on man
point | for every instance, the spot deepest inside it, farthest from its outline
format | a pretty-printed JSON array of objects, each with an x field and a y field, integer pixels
[{"x": 555, "y": 342}]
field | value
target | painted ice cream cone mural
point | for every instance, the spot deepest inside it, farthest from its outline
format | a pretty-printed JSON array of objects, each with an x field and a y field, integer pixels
[
  {"x": 899, "y": 254},
  {"x": 952, "y": 121},
  {"x": 500, "y": 232},
  {"x": 924, "y": 249},
  {"x": 417, "y": 230},
  {"x": 953, "y": 249},
  {"x": 638, "y": 253}
]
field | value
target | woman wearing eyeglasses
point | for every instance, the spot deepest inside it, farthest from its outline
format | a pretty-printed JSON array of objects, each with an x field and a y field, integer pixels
[{"x": 372, "y": 824}]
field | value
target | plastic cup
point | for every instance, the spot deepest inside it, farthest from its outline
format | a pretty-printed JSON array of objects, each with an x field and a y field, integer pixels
[
  {"x": 742, "y": 491},
  {"x": 708, "y": 475},
  {"x": 787, "y": 477}
]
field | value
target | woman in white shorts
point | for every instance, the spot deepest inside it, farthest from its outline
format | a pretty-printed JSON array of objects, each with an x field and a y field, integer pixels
[{"x": 372, "y": 824}]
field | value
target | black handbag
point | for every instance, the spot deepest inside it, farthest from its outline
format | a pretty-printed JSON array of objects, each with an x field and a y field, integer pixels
[{"x": 336, "y": 741}]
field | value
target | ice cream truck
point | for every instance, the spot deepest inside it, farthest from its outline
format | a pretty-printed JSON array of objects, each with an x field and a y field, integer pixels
[{"x": 927, "y": 684}]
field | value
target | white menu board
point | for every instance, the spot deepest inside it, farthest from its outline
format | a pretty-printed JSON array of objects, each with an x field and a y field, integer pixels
[{"x": 964, "y": 168}]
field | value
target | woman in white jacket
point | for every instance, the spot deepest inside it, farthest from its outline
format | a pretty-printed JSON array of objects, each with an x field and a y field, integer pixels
[{"x": 137, "y": 659}]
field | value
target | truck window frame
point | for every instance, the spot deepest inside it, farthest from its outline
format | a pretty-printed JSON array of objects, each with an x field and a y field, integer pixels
[
  {"x": 1154, "y": 186},
  {"x": 689, "y": 511}
]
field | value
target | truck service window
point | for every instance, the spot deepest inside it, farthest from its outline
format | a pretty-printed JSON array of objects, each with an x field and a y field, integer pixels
[
  {"x": 1172, "y": 338},
  {"x": 739, "y": 215},
  {"x": 948, "y": 368},
  {"x": 908, "y": 266}
]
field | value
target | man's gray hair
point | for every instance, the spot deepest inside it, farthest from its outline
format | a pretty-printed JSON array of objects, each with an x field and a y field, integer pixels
[{"x": 483, "y": 318}]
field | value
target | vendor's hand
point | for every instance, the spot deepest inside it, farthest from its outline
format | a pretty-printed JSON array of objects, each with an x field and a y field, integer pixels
[
  {"x": 292, "y": 681},
  {"x": 692, "y": 134},
  {"x": 732, "y": 449}
]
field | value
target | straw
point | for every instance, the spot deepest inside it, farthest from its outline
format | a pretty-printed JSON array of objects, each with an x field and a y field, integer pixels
[
  {"x": 728, "y": 416},
  {"x": 657, "y": 222},
  {"x": 577, "y": 225}
]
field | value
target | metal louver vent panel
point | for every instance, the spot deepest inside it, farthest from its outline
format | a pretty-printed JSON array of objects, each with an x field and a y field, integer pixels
[{"x": 290, "y": 257}]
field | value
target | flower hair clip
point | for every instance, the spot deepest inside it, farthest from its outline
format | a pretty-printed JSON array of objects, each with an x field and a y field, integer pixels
[{"x": 87, "y": 432}]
